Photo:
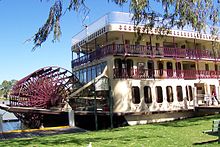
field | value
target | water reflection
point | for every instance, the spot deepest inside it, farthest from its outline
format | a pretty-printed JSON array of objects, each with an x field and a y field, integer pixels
[{"x": 10, "y": 121}]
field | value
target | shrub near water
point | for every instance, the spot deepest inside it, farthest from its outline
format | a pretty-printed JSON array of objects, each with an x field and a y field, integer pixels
[{"x": 177, "y": 133}]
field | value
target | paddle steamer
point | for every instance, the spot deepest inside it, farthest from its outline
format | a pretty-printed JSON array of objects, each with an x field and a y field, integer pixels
[{"x": 162, "y": 76}]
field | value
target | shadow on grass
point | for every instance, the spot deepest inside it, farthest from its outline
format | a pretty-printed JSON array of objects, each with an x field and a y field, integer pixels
[
  {"x": 206, "y": 142},
  {"x": 73, "y": 140}
]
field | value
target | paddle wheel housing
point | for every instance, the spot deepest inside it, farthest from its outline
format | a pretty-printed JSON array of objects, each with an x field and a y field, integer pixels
[{"x": 46, "y": 88}]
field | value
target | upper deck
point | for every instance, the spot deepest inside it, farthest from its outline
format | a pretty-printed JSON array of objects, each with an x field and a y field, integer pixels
[{"x": 122, "y": 22}]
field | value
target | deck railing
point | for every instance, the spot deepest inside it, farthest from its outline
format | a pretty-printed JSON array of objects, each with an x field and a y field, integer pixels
[
  {"x": 164, "y": 74},
  {"x": 147, "y": 51}
]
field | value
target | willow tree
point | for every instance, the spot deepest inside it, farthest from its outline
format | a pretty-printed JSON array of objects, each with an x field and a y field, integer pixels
[{"x": 201, "y": 15}]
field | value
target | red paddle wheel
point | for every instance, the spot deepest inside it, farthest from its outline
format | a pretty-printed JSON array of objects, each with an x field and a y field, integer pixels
[{"x": 46, "y": 88}]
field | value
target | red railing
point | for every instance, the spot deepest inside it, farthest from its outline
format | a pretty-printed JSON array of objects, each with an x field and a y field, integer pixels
[
  {"x": 141, "y": 50},
  {"x": 161, "y": 74}
]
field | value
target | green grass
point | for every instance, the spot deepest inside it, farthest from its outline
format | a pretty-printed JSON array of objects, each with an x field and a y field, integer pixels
[{"x": 179, "y": 133}]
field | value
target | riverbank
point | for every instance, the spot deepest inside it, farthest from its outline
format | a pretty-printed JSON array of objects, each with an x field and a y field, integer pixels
[{"x": 186, "y": 132}]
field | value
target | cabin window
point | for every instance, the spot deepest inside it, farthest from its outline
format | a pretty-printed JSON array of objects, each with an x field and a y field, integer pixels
[
  {"x": 169, "y": 69},
  {"x": 103, "y": 66},
  {"x": 148, "y": 44},
  {"x": 129, "y": 67},
  {"x": 99, "y": 69},
  {"x": 118, "y": 63},
  {"x": 127, "y": 41},
  {"x": 81, "y": 76},
  {"x": 84, "y": 76},
  {"x": 178, "y": 69},
  {"x": 150, "y": 65},
  {"x": 137, "y": 43},
  {"x": 207, "y": 67},
  {"x": 159, "y": 93},
  {"x": 189, "y": 94},
  {"x": 149, "y": 48},
  {"x": 183, "y": 46},
  {"x": 140, "y": 67},
  {"x": 93, "y": 72},
  {"x": 216, "y": 67},
  {"x": 135, "y": 95},
  {"x": 179, "y": 93},
  {"x": 147, "y": 94},
  {"x": 157, "y": 48},
  {"x": 160, "y": 68},
  {"x": 118, "y": 68},
  {"x": 169, "y": 92},
  {"x": 89, "y": 73},
  {"x": 77, "y": 74}
]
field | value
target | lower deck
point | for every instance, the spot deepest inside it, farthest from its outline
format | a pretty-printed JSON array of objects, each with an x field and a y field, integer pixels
[{"x": 163, "y": 95}]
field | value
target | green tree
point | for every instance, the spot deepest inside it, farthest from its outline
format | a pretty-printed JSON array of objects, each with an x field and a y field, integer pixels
[
  {"x": 196, "y": 13},
  {"x": 6, "y": 87}
]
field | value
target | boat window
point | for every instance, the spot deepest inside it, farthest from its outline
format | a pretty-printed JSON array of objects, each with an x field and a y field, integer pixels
[
  {"x": 118, "y": 68},
  {"x": 103, "y": 64},
  {"x": 89, "y": 74},
  {"x": 148, "y": 44},
  {"x": 216, "y": 67},
  {"x": 140, "y": 68},
  {"x": 178, "y": 69},
  {"x": 189, "y": 94},
  {"x": 99, "y": 69},
  {"x": 160, "y": 68},
  {"x": 169, "y": 69},
  {"x": 207, "y": 67},
  {"x": 81, "y": 76},
  {"x": 159, "y": 93},
  {"x": 127, "y": 41},
  {"x": 135, "y": 95},
  {"x": 150, "y": 66},
  {"x": 118, "y": 63},
  {"x": 84, "y": 76},
  {"x": 158, "y": 49},
  {"x": 129, "y": 67},
  {"x": 77, "y": 74},
  {"x": 147, "y": 94},
  {"x": 93, "y": 72},
  {"x": 179, "y": 93},
  {"x": 169, "y": 92}
]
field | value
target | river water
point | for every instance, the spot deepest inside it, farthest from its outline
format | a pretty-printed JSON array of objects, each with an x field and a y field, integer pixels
[{"x": 10, "y": 121}]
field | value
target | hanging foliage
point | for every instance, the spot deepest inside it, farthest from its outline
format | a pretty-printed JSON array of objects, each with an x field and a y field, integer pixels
[{"x": 201, "y": 15}]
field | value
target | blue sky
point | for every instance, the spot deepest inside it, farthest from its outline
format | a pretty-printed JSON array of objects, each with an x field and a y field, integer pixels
[{"x": 19, "y": 21}]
